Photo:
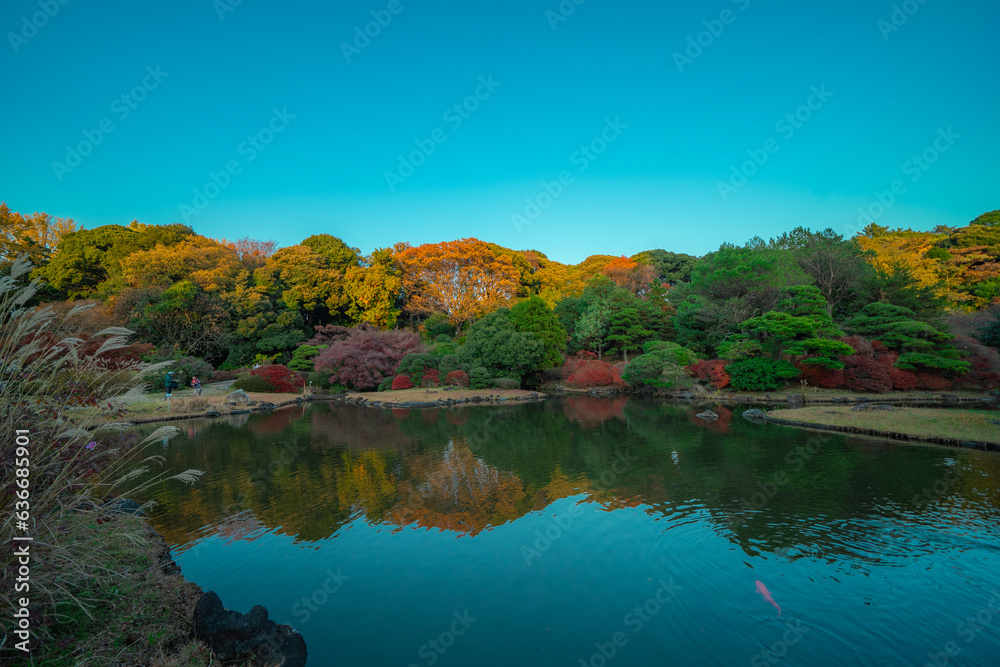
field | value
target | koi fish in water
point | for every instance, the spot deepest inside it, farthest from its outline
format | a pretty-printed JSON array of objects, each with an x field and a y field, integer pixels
[{"x": 766, "y": 594}]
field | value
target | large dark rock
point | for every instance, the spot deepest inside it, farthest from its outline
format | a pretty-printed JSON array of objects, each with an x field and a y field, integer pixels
[
  {"x": 754, "y": 414},
  {"x": 251, "y": 638},
  {"x": 707, "y": 415}
]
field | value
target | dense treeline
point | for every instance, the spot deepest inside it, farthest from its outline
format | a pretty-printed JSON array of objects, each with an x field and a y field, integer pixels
[{"x": 806, "y": 303}]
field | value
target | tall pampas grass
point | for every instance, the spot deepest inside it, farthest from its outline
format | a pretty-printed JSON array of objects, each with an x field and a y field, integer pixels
[{"x": 60, "y": 397}]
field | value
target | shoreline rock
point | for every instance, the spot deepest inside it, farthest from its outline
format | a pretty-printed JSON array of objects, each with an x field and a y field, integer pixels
[{"x": 252, "y": 637}]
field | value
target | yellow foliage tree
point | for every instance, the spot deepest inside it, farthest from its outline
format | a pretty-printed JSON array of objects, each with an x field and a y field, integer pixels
[
  {"x": 897, "y": 249},
  {"x": 205, "y": 262},
  {"x": 35, "y": 235}
]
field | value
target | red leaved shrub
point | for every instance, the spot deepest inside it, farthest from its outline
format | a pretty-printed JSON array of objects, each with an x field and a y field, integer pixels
[
  {"x": 594, "y": 373},
  {"x": 431, "y": 378},
  {"x": 984, "y": 371},
  {"x": 820, "y": 376},
  {"x": 902, "y": 380},
  {"x": 714, "y": 371},
  {"x": 283, "y": 380},
  {"x": 365, "y": 356},
  {"x": 574, "y": 362},
  {"x": 863, "y": 373},
  {"x": 933, "y": 381},
  {"x": 861, "y": 345},
  {"x": 401, "y": 382},
  {"x": 457, "y": 378}
]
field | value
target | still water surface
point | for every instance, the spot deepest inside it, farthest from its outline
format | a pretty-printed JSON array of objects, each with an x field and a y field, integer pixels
[{"x": 585, "y": 531}]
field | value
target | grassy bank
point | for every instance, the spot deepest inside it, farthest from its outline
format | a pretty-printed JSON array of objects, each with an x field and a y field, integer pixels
[
  {"x": 928, "y": 423},
  {"x": 136, "y": 609}
]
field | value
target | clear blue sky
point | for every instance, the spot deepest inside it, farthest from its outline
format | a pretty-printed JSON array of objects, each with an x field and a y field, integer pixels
[{"x": 656, "y": 184}]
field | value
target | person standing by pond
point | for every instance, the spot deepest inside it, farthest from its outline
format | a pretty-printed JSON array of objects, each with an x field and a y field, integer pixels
[
  {"x": 170, "y": 383},
  {"x": 196, "y": 384}
]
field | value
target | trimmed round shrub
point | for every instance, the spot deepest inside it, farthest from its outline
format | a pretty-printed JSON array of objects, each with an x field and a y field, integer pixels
[
  {"x": 479, "y": 378},
  {"x": 594, "y": 374},
  {"x": 760, "y": 374},
  {"x": 281, "y": 379},
  {"x": 507, "y": 383},
  {"x": 385, "y": 385},
  {"x": 401, "y": 382},
  {"x": 644, "y": 371},
  {"x": 672, "y": 351},
  {"x": 457, "y": 379},
  {"x": 254, "y": 383}
]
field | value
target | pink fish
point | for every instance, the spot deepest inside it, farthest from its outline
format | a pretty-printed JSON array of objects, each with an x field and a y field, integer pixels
[{"x": 766, "y": 594}]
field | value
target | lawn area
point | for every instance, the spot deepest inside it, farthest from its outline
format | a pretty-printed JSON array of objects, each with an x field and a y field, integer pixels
[
  {"x": 427, "y": 395},
  {"x": 948, "y": 423}
]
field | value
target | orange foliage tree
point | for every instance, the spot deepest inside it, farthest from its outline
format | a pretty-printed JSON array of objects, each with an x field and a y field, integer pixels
[
  {"x": 464, "y": 279},
  {"x": 630, "y": 275},
  {"x": 252, "y": 252}
]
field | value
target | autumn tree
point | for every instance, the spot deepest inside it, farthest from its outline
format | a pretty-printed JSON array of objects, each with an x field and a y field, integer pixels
[
  {"x": 630, "y": 275},
  {"x": 34, "y": 235},
  {"x": 374, "y": 290},
  {"x": 252, "y": 252},
  {"x": 208, "y": 264},
  {"x": 463, "y": 279}
]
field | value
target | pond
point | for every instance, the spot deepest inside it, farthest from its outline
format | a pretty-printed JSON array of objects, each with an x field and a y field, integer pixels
[{"x": 584, "y": 531}]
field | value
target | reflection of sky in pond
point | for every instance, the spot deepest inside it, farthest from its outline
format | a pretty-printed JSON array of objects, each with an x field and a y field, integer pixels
[{"x": 557, "y": 525}]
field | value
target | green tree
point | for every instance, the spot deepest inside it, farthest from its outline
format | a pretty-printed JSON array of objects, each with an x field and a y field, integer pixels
[
  {"x": 534, "y": 316},
  {"x": 494, "y": 343},
  {"x": 625, "y": 332},
  {"x": 592, "y": 328},
  {"x": 338, "y": 254}
]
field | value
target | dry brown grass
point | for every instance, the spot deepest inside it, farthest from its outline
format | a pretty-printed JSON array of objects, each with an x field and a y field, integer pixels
[{"x": 952, "y": 423}]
